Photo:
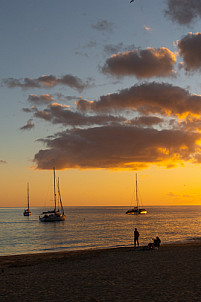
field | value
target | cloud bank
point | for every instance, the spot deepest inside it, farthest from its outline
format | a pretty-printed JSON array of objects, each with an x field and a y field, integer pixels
[
  {"x": 166, "y": 130},
  {"x": 117, "y": 147},
  {"x": 148, "y": 123}
]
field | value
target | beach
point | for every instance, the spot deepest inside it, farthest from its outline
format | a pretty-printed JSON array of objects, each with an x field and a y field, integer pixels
[{"x": 171, "y": 273}]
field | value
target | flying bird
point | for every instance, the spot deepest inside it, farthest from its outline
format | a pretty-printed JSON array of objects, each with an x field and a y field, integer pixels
[{"x": 131, "y": 1}]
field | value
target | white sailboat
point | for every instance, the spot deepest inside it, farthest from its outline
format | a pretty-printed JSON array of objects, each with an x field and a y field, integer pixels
[
  {"x": 58, "y": 213},
  {"x": 27, "y": 212},
  {"x": 137, "y": 209}
]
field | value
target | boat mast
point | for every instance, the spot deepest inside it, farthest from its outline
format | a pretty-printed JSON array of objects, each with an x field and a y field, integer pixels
[
  {"x": 59, "y": 193},
  {"x": 55, "y": 197},
  {"x": 28, "y": 194},
  {"x": 136, "y": 196}
]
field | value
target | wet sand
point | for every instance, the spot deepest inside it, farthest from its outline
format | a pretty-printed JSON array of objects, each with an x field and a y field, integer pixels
[{"x": 172, "y": 273}]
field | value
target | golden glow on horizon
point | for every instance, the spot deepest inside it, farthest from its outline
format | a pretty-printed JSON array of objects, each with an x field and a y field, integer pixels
[{"x": 158, "y": 186}]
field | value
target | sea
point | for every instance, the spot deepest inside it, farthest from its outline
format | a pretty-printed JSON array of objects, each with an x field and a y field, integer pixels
[{"x": 95, "y": 228}]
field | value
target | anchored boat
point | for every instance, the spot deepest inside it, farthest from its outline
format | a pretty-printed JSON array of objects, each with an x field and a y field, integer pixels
[
  {"x": 58, "y": 213},
  {"x": 137, "y": 209}
]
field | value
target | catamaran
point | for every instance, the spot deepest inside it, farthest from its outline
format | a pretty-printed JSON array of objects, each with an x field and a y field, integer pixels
[
  {"x": 136, "y": 210},
  {"x": 58, "y": 213},
  {"x": 27, "y": 212}
]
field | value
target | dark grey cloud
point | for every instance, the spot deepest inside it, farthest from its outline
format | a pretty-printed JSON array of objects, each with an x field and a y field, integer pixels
[
  {"x": 190, "y": 50},
  {"x": 146, "y": 121},
  {"x": 91, "y": 44},
  {"x": 103, "y": 26},
  {"x": 48, "y": 81},
  {"x": 28, "y": 110},
  {"x": 183, "y": 11},
  {"x": 83, "y": 50},
  {"x": 146, "y": 63},
  {"x": 59, "y": 114},
  {"x": 63, "y": 97},
  {"x": 147, "y": 98},
  {"x": 81, "y": 53},
  {"x": 43, "y": 114},
  {"x": 114, "y": 147},
  {"x": 110, "y": 49},
  {"x": 29, "y": 125},
  {"x": 40, "y": 99}
]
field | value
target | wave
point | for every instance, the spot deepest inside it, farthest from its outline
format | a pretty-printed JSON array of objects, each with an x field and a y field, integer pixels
[{"x": 195, "y": 239}]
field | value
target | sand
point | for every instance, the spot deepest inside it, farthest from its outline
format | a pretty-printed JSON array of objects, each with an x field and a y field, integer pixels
[{"x": 172, "y": 273}]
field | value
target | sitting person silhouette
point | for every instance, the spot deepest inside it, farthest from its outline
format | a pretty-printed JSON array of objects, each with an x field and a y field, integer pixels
[{"x": 155, "y": 244}]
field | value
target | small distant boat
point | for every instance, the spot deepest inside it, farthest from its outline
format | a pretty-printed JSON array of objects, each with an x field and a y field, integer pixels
[
  {"x": 58, "y": 213},
  {"x": 27, "y": 212},
  {"x": 136, "y": 210}
]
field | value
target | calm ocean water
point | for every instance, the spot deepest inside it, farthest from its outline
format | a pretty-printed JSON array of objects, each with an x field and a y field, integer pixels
[{"x": 95, "y": 227}]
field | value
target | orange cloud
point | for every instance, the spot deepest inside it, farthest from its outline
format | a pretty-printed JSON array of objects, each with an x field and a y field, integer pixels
[
  {"x": 148, "y": 98},
  {"x": 114, "y": 147}
]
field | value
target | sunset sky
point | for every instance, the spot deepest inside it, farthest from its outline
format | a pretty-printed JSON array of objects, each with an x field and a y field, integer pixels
[{"x": 100, "y": 90}]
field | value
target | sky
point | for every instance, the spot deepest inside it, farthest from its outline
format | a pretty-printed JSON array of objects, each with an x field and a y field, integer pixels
[{"x": 100, "y": 90}]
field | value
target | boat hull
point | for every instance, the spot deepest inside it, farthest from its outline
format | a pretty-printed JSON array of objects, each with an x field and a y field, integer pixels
[
  {"x": 27, "y": 213},
  {"x": 52, "y": 218},
  {"x": 136, "y": 212}
]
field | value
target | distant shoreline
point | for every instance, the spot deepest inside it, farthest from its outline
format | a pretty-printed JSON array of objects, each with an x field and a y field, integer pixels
[{"x": 103, "y": 206}]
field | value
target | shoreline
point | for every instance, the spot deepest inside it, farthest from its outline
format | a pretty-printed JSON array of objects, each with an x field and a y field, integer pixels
[{"x": 28, "y": 259}]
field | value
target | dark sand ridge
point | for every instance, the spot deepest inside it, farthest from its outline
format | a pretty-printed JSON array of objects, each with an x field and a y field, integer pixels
[{"x": 172, "y": 273}]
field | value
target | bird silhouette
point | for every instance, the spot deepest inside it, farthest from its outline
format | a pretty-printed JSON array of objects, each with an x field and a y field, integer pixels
[{"x": 131, "y": 1}]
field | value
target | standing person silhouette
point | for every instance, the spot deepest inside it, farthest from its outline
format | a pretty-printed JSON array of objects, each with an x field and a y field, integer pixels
[{"x": 136, "y": 236}]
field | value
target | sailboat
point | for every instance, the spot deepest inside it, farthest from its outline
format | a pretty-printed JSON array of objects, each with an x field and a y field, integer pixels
[
  {"x": 58, "y": 213},
  {"x": 136, "y": 210},
  {"x": 27, "y": 212}
]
